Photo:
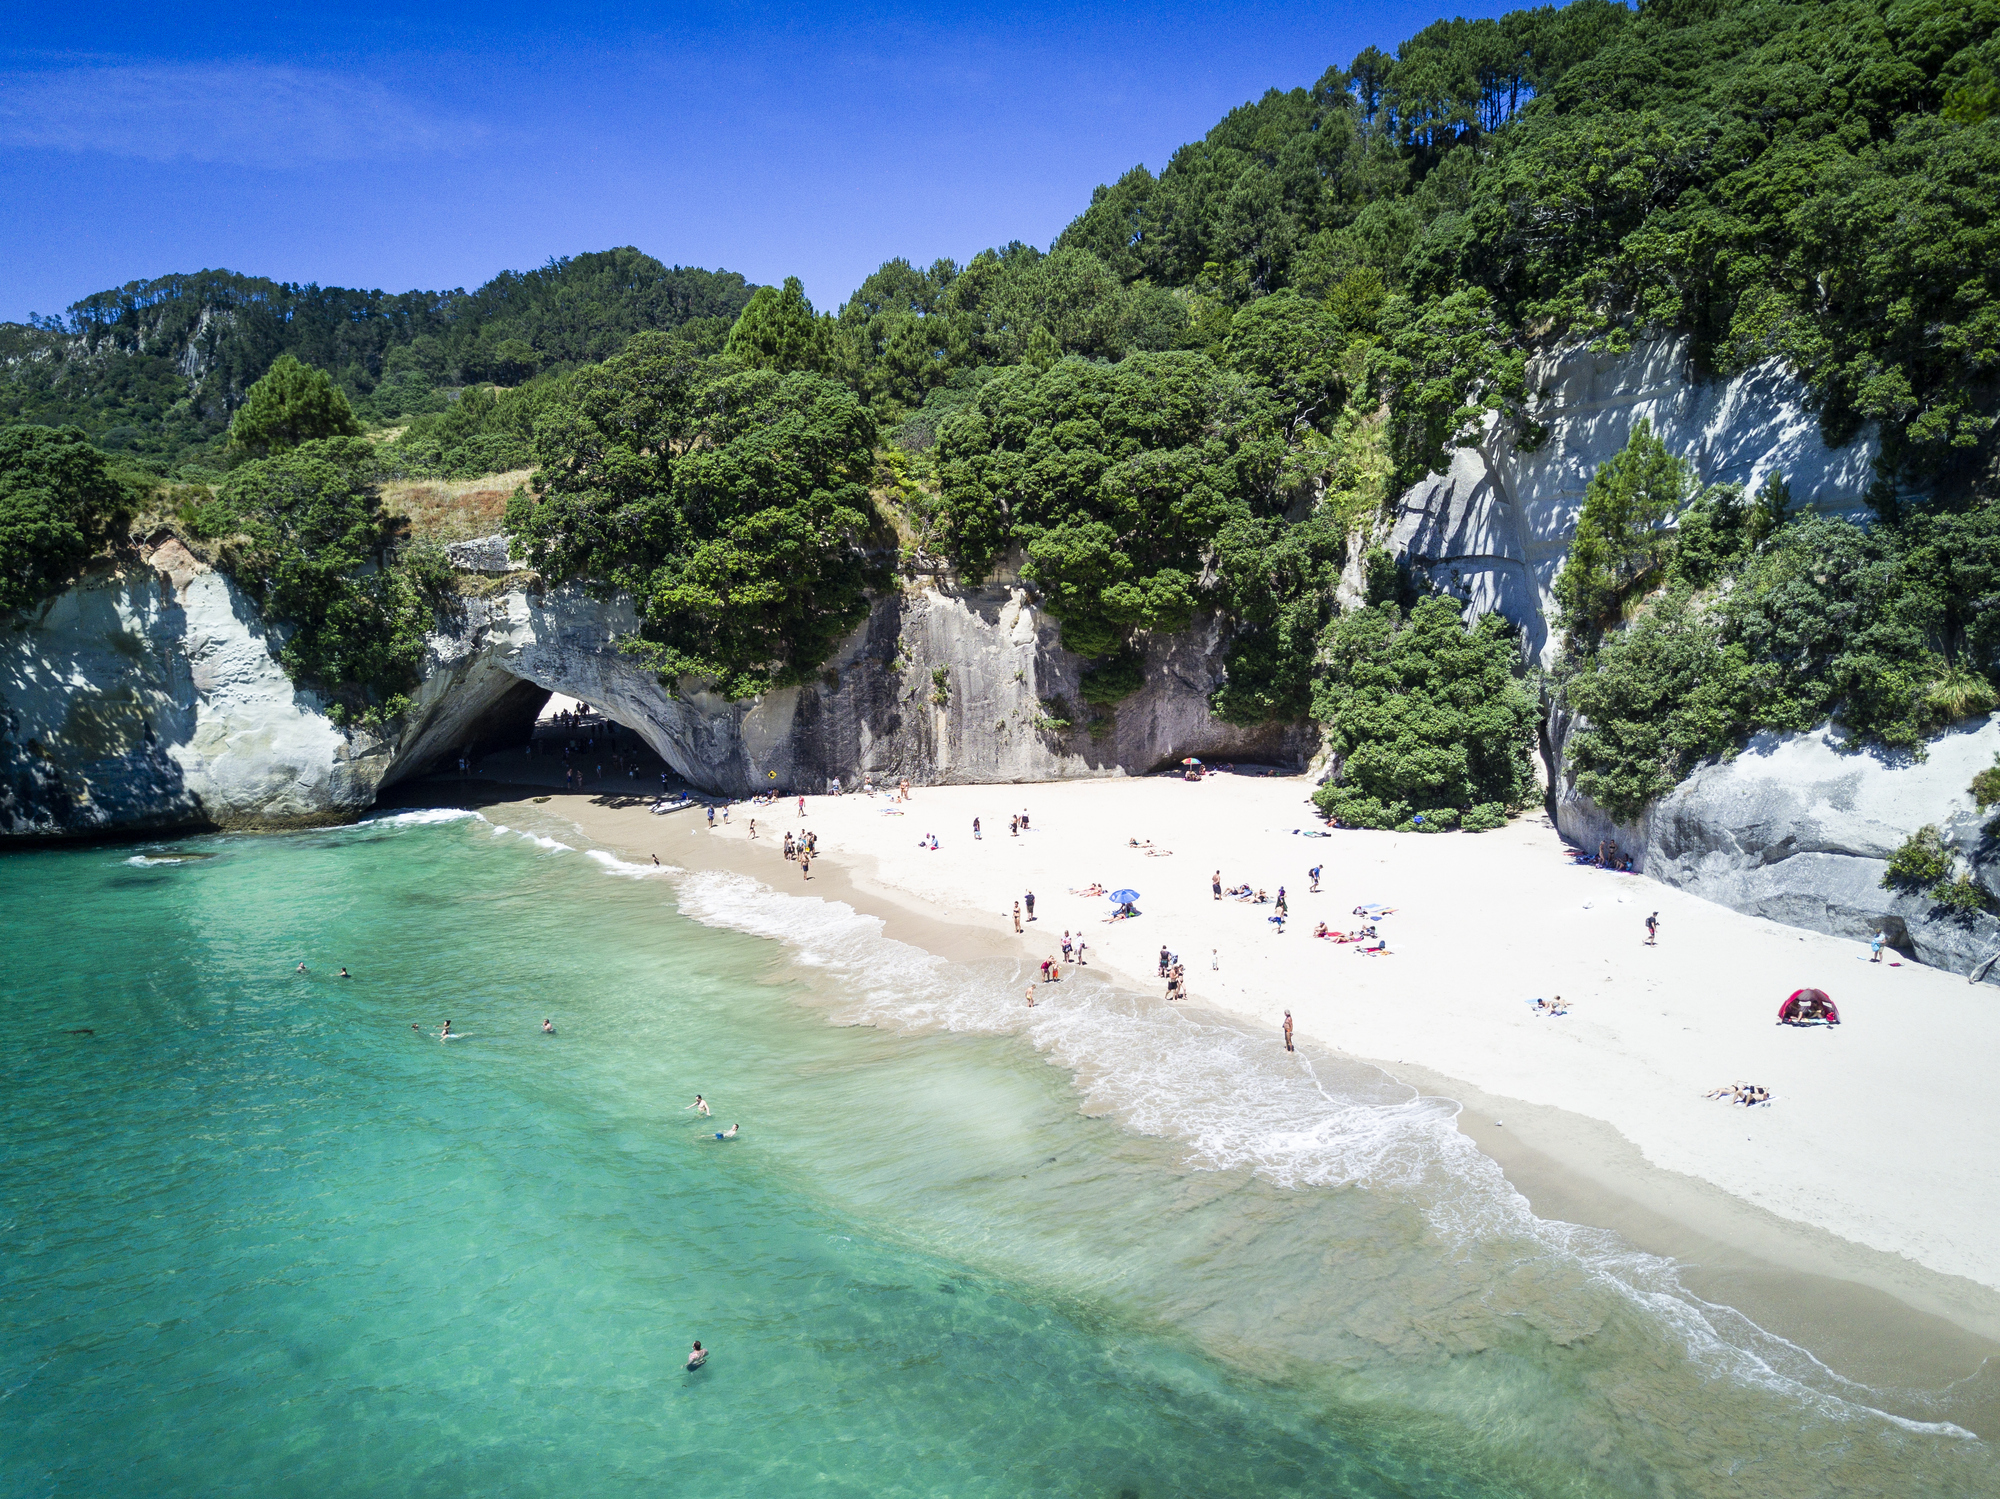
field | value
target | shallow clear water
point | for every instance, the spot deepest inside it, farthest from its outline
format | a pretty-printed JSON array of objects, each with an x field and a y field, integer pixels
[{"x": 256, "y": 1234}]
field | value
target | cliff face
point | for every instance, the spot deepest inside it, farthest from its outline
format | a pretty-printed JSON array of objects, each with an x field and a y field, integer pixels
[
  {"x": 1800, "y": 828},
  {"x": 1496, "y": 526},
  {"x": 148, "y": 698}
]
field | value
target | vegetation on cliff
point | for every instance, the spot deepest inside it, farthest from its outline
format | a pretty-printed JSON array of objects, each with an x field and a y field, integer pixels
[{"x": 1763, "y": 619}]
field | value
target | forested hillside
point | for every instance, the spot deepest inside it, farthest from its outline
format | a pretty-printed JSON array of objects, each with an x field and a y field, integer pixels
[
  {"x": 155, "y": 368},
  {"x": 1209, "y": 386}
]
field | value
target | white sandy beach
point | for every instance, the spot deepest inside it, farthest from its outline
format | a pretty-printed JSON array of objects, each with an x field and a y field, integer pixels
[
  {"x": 1883, "y": 1130},
  {"x": 1857, "y": 1214}
]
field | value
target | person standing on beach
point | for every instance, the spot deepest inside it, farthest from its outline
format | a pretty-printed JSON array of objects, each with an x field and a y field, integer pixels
[
  {"x": 805, "y": 866},
  {"x": 1214, "y": 960},
  {"x": 753, "y": 827},
  {"x": 1875, "y": 949},
  {"x": 1017, "y": 916},
  {"x": 1024, "y": 820},
  {"x": 1288, "y": 1031},
  {"x": 1653, "y": 929},
  {"x": 1068, "y": 947},
  {"x": 1013, "y": 827},
  {"x": 711, "y": 817},
  {"x": 1215, "y": 884},
  {"x": 1163, "y": 960},
  {"x": 975, "y": 830},
  {"x": 1314, "y": 872},
  {"x": 1029, "y": 899}
]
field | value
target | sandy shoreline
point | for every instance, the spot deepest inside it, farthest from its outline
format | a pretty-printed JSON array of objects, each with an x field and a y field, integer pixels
[{"x": 1854, "y": 1217}]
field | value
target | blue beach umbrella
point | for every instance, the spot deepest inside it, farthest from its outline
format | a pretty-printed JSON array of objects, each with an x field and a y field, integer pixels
[{"x": 1124, "y": 897}]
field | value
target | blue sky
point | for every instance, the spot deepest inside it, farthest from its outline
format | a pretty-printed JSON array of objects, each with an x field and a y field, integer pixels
[{"x": 382, "y": 147}]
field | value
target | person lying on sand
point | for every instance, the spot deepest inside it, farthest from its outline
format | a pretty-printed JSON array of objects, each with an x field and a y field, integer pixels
[
  {"x": 1747, "y": 1094},
  {"x": 1093, "y": 889},
  {"x": 1555, "y": 1006}
]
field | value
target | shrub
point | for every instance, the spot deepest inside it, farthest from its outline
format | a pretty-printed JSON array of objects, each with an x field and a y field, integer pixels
[
  {"x": 1425, "y": 713},
  {"x": 1111, "y": 682},
  {"x": 940, "y": 686},
  {"x": 315, "y": 549},
  {"x": 1620, "y": 538},
  {"x": 1985, "y": 786},
  {"x": 1484, "y": 818},
  {"x": 1924, "y": 866},
  {"x": 59, "y": 502}
]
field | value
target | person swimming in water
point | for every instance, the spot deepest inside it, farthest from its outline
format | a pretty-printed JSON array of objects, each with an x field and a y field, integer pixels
[
  {"x": 302, "y": 968},
  {"x": 700, "y": 1106},
  {"x": 728, "y": 1134},
  {"x": 344, "y": 974},
  {"x": 446, "y": 1033},
  {"x": 548, "y": 1027},
  {"x": 697, "y": 1356}
]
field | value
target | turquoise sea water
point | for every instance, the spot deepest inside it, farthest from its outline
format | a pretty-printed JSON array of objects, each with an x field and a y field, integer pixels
[{"x": 257, "y": 1235}]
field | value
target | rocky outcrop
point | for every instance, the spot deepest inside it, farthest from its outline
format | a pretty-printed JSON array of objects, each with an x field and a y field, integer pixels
[
  {"x": 1496, "y": 526},
  {"x": 148, "y": 697},
  {"x": 1800, "y": 827}
]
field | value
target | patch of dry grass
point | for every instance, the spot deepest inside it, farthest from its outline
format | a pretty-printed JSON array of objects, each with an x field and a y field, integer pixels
[{"x": 453, "y": 509}]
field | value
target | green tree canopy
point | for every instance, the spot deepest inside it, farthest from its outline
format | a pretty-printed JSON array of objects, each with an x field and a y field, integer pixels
[
  {"x": 732, "y": 503},
  {"x": 1114, "y": 479},
  {"x": 58, "y": 504},
  {"x": 293, "y": 404},
  {"x": 778, "y": 330},
  {"x": 1427, "y": 715},
  {"x": 314, "y": 547},
  {"x": 1620, "y": 533}
]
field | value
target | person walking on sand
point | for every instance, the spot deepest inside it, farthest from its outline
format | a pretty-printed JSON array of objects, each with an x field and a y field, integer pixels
[
  {"x": 1215, "y": 884},
  {"x": 1082, "y": 947},
  {"x": 1029, "y": 900},
  {"x": 1653, "y": 929},
  {"x": 802, "y": 806},
  {"x": 1017, "y": 916},
  {"x": 1014, "y": 827},
  {"x": 1214, "y": 960},
  {"x": 711, "y": 817},
  {"x": 975, "y": 830},
  {"x": 1314, "y": 872},
  {"x": 1288, "y": 1031},
  {"x": 1031, "y": 996},
  {"x": 805, "y": 866},
  {"x": 1024, "y": 820},
  {"x": 1875, "y": 949}
]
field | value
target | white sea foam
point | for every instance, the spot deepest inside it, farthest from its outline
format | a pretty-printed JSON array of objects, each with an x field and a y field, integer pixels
[
  {"x": 1235, "y": 1102},
  {"x": 420, "y": 817},
  {"x": 625, "y": 869}
]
